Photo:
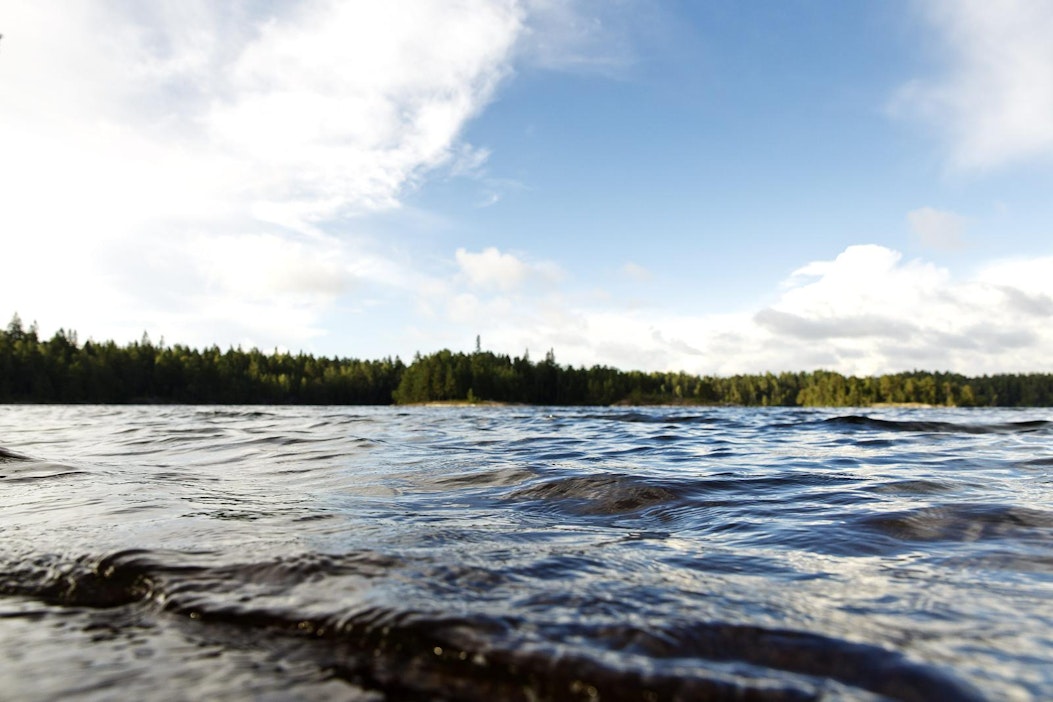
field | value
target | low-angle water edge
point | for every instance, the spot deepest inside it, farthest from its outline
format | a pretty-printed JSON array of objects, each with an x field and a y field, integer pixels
[{"x": 183, "y": 552}]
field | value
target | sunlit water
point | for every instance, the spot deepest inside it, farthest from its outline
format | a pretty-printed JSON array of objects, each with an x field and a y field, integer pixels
[{"x": 325, "y": 553}]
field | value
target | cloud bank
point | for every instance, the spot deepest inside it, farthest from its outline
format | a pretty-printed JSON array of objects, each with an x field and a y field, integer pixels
[{"x": 866, "y": 311}]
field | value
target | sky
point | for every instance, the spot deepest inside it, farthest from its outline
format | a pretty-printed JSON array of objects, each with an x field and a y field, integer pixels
[{"x": 716, "y": 188}]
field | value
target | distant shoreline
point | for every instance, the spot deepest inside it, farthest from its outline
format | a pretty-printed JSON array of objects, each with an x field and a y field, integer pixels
[
  {"x": 62, "y": 370},
  {"x": 495, "y": 403},
  {"x": 465, "y": 403}
]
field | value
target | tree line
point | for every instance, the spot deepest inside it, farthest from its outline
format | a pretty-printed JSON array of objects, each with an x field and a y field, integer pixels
[{"x": 62, "y": 370}]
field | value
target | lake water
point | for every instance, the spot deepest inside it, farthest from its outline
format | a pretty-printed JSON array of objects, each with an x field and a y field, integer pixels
[{"x": 482, "y": 553}]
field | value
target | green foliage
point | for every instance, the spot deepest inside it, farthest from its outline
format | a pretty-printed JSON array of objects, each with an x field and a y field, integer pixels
[
  {"x": 448, "y": 376},
  {"x": 60, "y": 369}
]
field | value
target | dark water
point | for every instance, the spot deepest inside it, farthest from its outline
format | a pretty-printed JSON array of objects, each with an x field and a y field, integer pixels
[{"x": 516, "y": 553}]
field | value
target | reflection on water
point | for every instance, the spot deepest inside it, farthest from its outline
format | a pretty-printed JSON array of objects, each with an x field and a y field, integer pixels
[{"x": 522, "y": 553}]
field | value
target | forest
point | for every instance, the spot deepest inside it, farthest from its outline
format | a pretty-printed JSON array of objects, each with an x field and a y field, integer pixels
[{"x": 62, "y": 370}]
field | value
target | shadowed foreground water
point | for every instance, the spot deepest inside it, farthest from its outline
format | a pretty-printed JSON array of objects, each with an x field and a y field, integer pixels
[{"x": 323, "y": 553}]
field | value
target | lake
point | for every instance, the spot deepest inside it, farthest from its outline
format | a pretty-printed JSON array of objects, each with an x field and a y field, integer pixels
[{"x": 481, "y": 553}]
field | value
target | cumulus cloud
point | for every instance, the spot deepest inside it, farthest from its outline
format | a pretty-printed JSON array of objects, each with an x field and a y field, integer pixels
[
  {"x": 867, "y": 310},
  {"x": 492, "y": 269},
  {"x": 871, "y": 311},
  {"x": 1030, "y": 276},
  {"x": 994, "y": 99},
  {"x": 863, "y": 278},
  {"x": 937, "y": 229}
]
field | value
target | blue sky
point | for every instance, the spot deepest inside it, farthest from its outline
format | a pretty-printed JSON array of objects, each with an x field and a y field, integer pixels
[{"x": 710, "y": 187}]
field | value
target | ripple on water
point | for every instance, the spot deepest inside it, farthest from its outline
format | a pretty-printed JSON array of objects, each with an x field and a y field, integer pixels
[{"x": 513, "y": 553}]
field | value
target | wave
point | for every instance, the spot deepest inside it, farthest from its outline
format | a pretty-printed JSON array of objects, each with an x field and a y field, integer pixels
[
  {"x": 658, "y": 417},
  {"x": 864, "y": 422},
  {"x": 7, "y": 456},
  {"x": 486, "y": 478},
  {"x": 1037, "y": 462},
  {"x": 601, "y": 494},
  {"x": 19, "y": 468},
  {"x": 962, "y": 522},
  {"x": 416, "y": 653},
  {"x": 522, "y": 555}
]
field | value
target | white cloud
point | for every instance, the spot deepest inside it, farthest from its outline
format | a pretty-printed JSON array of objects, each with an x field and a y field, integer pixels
[
  {"x": 349, "y": 103},
  {"x": 994, "y": 102},
  {"x": 1026, "y": 284},
  {"x": 864, "y": 277},
  {"x": 865, "y": 311},
  {"x": 492, "y": 269},
  {"x": 181, "y": 166},
  {"x": 873, "y": 312},
  {"x": 174, "y": 161},
  {"x": 938, "y": 229},
  {"x": 257, "y": 266}
]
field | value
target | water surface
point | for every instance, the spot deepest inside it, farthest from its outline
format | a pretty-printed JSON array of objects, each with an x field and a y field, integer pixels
[{"x": 324, "y": 553}]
